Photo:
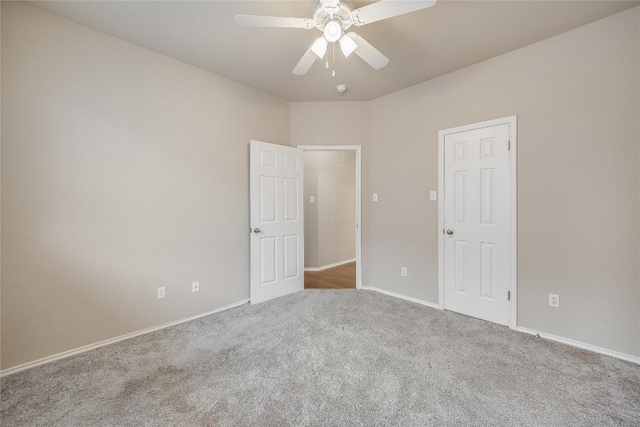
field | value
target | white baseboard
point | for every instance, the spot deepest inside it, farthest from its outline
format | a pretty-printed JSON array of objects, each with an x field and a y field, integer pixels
[
  {"x": 563, "y": 340},
  {"x": 404, "y": 297},
  {"x": 88, "y": 347},
  {"x": 335, "y": 264},
  {"x": 584, "y": 346}
]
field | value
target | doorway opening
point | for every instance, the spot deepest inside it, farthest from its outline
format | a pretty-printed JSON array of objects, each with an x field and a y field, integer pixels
[{"x": 332, "y": 231}]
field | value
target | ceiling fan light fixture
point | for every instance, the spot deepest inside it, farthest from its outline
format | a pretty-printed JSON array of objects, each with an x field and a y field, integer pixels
[
  {"x": 333, "y": 18},
  {"x": 347, "y": 45},
  {"x": 319, "y": 47},
  {"x": 332, "y": 31}
]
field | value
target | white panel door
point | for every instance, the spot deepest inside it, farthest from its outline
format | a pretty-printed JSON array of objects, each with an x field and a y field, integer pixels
[
  {"x": 477, "y": 223},
  {"x": 277, "y": 221}
]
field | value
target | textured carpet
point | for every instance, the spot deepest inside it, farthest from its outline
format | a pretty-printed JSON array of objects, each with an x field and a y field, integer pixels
[{"x": 328, "y": 358}]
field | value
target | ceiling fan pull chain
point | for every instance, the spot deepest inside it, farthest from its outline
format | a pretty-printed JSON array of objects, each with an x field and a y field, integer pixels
[{"x": 333, "y": 58}]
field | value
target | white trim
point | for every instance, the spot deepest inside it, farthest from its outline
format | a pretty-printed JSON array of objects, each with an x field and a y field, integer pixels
[
  {"x": 556, "y": 338},
  {"x": 335, "y": 264},
  {"x": 404, "y": 297},
  {"x": 358, "y": 150},
  {"x": 512, "y": 121},
  {"x": 330, "y": 147},
  {"x": 513, "y": 146},
  {"x": 99, "y": 344},
  {"x": 440, "y": 219},
  {"x": 584, "y": 346}
]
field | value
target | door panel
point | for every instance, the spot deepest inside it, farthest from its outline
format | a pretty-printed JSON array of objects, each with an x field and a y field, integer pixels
[
  {"x": 267, "y": 198},
  {"x": 477, "y": 213},
  {"x": 277, "y": 240},
  {"x": 291, "y": 201}
]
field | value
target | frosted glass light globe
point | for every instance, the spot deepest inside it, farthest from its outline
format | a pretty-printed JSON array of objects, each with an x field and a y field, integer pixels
[{"x": 332, "y": 31}]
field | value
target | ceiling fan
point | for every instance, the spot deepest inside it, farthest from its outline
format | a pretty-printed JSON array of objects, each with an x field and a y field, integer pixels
[{"x": 333, "y": 18}]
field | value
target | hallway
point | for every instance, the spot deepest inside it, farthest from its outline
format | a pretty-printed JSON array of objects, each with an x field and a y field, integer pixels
[{"x": 341, "y": 277}]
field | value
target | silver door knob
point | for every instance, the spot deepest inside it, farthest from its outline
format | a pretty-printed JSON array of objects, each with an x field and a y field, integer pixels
[
  {"x": 449, "y": 232},
  {"x": 256, "y": 230}
]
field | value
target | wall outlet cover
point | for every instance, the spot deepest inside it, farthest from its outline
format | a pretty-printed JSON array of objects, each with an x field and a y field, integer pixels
[
  {"x": 554, "y": 300},
  {"x": 162, "y": 292},
  {"x": 195, "y": 286}
]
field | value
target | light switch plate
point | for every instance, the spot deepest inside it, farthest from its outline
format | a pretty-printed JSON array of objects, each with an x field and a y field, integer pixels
[
  {"x": 312, "y": 199},
  {"x": 432, "y": 195},
  {"x": 375, "y": 197}
]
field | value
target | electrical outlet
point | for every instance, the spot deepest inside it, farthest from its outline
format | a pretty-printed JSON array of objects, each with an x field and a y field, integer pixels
[
  {"x": 162, "y": 292},
  {"x": 554, "y": 300},
  {"x": 312, "y": 199},
  {"x": 195, "y": 286},
  {"x": 375, "y": 197},
  {"x": 403, "y": 271}
]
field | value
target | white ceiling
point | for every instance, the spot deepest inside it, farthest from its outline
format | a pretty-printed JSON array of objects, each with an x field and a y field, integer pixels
[{"x": 421, "y": 45}]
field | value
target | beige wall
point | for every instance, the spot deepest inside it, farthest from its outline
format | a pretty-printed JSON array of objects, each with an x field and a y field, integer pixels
[
  {"x": 577, "y": 100},
  {"x": 330, "y": 123},
  {"x": 122, "y": 170},
  {"x": 330, "y": 222}
]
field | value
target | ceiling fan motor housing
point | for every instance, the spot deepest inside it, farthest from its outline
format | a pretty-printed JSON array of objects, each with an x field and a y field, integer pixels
[{"x": 323, "y": 13}]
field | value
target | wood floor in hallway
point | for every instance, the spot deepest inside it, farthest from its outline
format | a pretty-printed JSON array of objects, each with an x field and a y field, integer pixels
[{"x": 341, "y": 277}]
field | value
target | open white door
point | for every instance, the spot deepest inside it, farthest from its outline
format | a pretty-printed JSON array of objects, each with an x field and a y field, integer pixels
[{"x": 277, "y": 221}]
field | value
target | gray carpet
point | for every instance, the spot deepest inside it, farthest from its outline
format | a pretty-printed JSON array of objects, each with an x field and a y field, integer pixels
[{"x": 328, "y": 358}]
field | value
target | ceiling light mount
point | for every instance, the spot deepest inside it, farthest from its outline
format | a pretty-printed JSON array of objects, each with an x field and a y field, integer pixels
[{"x": 341, "y": 88}]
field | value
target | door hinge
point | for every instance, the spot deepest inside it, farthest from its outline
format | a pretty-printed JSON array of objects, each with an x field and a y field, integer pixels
[
  {"x": 508, "y": 295},
  {"x": 509, "y": 146}
]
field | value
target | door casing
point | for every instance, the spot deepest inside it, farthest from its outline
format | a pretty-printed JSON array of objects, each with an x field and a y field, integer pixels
[{"x": 512, "y": 122}]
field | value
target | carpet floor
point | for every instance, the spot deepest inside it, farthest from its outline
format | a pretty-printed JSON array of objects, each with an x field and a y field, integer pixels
[{"x": 324, "y": 357}]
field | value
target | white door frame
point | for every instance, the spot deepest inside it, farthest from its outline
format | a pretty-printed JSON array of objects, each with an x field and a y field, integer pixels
[
  {"x": 358, "y": 151},
  {"x": 513, "y": 286}
]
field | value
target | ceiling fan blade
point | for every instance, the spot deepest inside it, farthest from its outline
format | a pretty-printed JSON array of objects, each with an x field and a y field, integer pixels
[
  {"x": 368, "y": 53},
  {"x": 305, "y": 63},
  {"x": 387, "y": 9},
  {"x": 273, "y": 21}
]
